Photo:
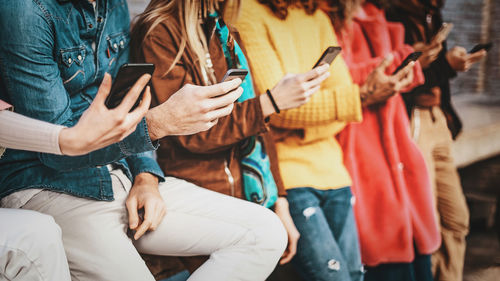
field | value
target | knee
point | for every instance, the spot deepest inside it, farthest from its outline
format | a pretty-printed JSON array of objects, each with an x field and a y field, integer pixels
[
  {"x": 41, "y": 229},
  {"x": 270, "y": 233}
]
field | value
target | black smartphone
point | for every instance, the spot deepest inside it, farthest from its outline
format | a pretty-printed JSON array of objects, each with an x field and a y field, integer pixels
[
  {"x": 479, "y": 47},
  {"x": 235, "y": 73},
  {"x": 328, "y": 55},
  {"x": 411, "y": 57},
  {"x": 127, "y": 75}
]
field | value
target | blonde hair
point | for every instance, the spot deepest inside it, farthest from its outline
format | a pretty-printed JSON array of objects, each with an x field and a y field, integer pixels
[{"x": 190, "y": 14}]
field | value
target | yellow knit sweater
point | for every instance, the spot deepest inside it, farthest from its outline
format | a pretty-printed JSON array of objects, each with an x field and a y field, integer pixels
[{"x": 309, "y": 155}]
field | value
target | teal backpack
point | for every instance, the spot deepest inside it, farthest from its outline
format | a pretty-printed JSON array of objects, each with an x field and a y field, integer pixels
[{"x": 258, "y": 182}]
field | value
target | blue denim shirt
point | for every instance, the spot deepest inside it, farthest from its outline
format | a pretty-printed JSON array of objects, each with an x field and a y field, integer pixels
[{"x": 50, "y": 71}]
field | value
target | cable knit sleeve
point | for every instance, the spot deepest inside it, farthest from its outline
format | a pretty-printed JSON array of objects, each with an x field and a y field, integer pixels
[
  {"x": 337, "y": 100},
  {"x": 266, "y": 66}
]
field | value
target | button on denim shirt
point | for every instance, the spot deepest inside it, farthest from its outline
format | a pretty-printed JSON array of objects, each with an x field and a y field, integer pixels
[{"x": 50, "y": 71}]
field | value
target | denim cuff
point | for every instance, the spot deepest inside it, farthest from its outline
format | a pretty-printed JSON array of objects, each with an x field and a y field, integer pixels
[
  {"x": 144, "y": 163},
  {"x": 139, "y": 141}
]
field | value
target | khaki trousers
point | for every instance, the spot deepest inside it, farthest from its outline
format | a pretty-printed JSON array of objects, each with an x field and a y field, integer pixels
[
  {"x": 244, "y": 240},
  {"x": 434, "y": 139},
  {"x": 31, "y": 247}
]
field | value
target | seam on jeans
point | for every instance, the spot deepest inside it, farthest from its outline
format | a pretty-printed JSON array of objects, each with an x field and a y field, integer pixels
[
  {"x": 27, "y": 258},
  {"x": 146, "y": 132}
]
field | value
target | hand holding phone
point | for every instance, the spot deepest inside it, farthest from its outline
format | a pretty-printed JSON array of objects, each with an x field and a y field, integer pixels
[
  {"x": 328, "y": 56},
  {"x": 411, "y": 57},
  {"x": 479, "y": 47},
  {"x": 127, "y": 75},
  {"x": 443, "y": 32}
]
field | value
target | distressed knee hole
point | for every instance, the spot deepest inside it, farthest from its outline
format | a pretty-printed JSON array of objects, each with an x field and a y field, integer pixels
[
  {"x": 353, "y": 200},
  {"x": 334, "y": 265},
  {"x": 309, "y": 212}
]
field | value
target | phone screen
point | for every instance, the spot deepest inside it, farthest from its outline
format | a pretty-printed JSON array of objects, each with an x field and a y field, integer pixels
[
  {"x": 411, "y": 57},
  {"x": 127, "y": 75},
  {"x": 328, "y": 56}
]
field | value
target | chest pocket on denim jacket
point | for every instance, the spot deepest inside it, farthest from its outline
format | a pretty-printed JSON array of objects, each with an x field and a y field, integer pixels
[
  {"x": 71, "y": 67},
  {"x": 116, "y": 43}
]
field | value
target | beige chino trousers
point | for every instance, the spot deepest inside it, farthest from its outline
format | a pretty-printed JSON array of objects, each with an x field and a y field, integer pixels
[
  {"x": 434, "y": 140},
  {"x": 244, "y": 240},
  {"x": 31, "y": 247}
]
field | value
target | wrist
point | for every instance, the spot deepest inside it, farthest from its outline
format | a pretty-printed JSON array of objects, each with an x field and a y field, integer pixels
[
  {"x": 280, "y": 204},
  {"x": 266, "y": 105},
  {"x": 156, "y": 129},
  {"x": 68, "y": 142},
  {"x": 146, "y": 179}
]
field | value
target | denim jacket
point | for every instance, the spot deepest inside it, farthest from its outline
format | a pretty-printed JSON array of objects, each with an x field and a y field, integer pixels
[{"x": 50, "y": 71}]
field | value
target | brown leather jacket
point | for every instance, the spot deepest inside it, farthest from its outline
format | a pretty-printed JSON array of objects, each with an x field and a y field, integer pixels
[{"x": 209, "y": 159}]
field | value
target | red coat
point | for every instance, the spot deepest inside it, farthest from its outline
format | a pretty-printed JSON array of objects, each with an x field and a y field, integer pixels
[{"x": 394, "y": 204}]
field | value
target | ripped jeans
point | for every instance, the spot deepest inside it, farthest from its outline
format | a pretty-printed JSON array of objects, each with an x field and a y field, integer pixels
[{"x": 328, "y": 247}]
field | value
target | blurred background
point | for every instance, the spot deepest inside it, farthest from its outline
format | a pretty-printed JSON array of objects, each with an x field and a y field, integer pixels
[{"x": 476, "y": 95}]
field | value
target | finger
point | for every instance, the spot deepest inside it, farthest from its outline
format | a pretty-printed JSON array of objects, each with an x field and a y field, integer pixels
[
  {"x": 291, "y": 251},
  {"x": 460, "y": 51},
  {"x": 405, "y": 71},
  {"x": 225, "y": 100},
  {"x": 314, "y": 73},
  {"x": 476, "y": 56},
  {"x": 287, "y": 257},
  {"x": 149, "y": 217},
  {"x": 386, "y": 62},
  {"x": 221, "y": 88},
  {"x": 405, "y": 82},
  {"x": 133, "y": 215},
  {"x": 220, "y": 112},
  {"x": 104, "y": 89},
  {"x": 133, "y": 94},
  {"x": 317, "y": 81},
  {"x": 158, "y": 216},
  {"x": 141, "y": 110},
  {"x": 312, "y": 91}
]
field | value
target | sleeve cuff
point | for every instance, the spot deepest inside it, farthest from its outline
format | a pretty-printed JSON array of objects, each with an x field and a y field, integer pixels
[
  {"x": 139, "y": 141},
  {"x": 145, "y": 163}
]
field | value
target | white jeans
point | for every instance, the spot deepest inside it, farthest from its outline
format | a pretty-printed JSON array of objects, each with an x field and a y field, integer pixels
[
  {"x": 244, "y": 240},
  {"x": 31, "y": 247}
]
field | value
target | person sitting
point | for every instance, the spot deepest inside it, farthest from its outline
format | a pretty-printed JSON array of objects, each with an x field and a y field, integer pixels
[
  {"x": 30, "y": 242},
  {"x": 158, "y": 37},
  {"x": 96, "y": 197}
]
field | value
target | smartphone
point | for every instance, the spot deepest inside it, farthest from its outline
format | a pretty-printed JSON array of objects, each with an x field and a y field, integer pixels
[
  {"x": 235, "y": 73},
  {"x": 127, "y": 75},
  {"x": 443, "y": 32},
  {"x": 328, "y": 56},
  {"x": 479, "y": 47},
  {"x": 411, "y": 57}
]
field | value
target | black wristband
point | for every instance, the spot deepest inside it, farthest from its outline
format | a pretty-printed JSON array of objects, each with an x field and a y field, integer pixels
[{"x": 272, "y": 101}]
